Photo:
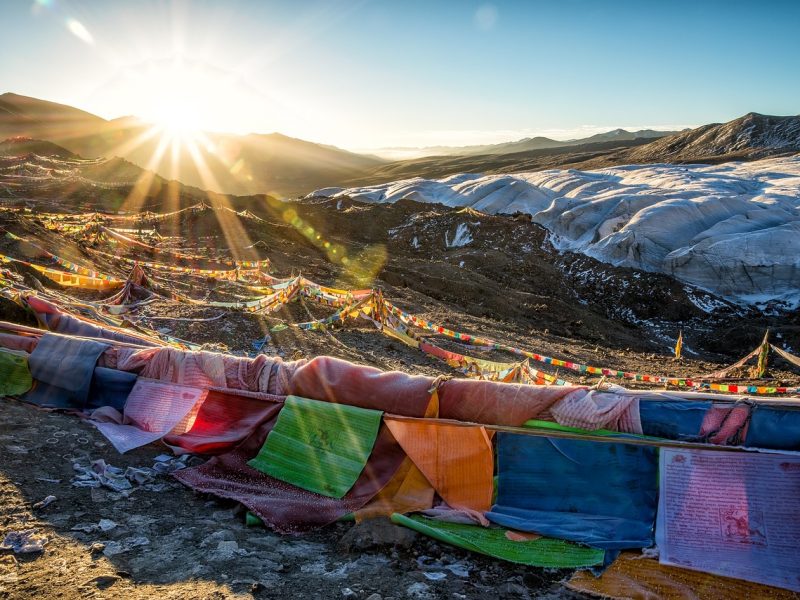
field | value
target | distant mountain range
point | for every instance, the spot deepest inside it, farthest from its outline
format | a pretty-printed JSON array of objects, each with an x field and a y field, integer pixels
[
  {"x": 746, "y": 138},
  {"x": 530, "y": 143},
  {"x": 233, "y": 164},
  {"x": 284, "y": 167}
]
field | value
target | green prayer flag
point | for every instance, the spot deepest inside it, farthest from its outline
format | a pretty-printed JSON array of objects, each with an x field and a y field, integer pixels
[
  {"x": 537, "y": 424},
  {"x": 253, "y": 520},
  {"x": 492, "y": 541},
  {"x": 15, "y": 376},
  {"x": 279, "y": 327},
  {"x": 321, "y": 447}
]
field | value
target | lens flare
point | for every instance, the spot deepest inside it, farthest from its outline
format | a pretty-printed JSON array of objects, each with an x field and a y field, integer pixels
[{"x": 79, "y": 30}]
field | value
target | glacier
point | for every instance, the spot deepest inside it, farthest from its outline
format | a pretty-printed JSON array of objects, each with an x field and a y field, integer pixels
[{"x": 732, "y": 228}]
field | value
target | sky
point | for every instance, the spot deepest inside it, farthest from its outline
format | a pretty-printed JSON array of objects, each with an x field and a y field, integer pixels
[{"x": 366, "y": 75}]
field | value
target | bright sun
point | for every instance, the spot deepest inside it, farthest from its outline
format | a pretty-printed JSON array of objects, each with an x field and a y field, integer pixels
[
  {"x": 181, "y": 98},
  {"x": 176, "y": 116}
]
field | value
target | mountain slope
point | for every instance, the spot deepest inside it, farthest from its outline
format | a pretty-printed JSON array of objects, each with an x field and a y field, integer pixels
[
  {"x": 43, "y": 120},
  {"x": 573, "y": 156},
  {"x": 732, "y": 229},
  {"x": 748, "y": 137},
  {"x": 227, "y": 163},
  {"x": 623, "y": 134},
  {"x": 24, "y": 146}
]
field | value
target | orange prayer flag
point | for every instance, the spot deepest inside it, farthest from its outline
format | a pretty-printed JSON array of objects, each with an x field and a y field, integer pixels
[
  {"x": 408, "y": 490},
  {"x": 456, "y": 460}
]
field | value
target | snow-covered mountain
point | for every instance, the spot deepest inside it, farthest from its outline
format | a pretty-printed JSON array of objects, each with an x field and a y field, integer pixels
[{"x": 733, "y": 229}]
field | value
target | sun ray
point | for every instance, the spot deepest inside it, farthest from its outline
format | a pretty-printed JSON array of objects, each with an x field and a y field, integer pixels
[
  {"x": 236, "y": 236},
  {"x": 140, "y": 190}
]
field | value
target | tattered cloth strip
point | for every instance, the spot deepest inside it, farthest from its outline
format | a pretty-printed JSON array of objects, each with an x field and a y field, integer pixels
[
  {"x": 256, "y": 264},
  {"x": 776, "y": 428},
  {"x": 790, "y": 358},
  {"x": 739, "y": 364},
  {"x": 268, "y": 303},
  {"x": 486, "y": 402},
  {"x": 110, "y": 387},
  {"x": 63, "y": 368},
  {"x": 18, "y": 343},
  {"x": 634, "y": 577},
  {"x": 336, "y": 380},
  {"x": 290, "y": 509},
  {"x": 53, "y": 318},
  {"x": 602, "y": 495},
  {"x": 319, "y": 446},
  {"x": 224, "y": 420},
  {"x": 70, "y": 279},
  {"x": 673, "y": 419},
  {"x": 542, "y": 378},
  {"x": 286, "y": 508},
  {"x": 228, "y": 274},
  {"x": 408, "y": 490},
  {"x": 152, "y": 411},
  {"x": 74, "y": 280},
  {"x": 15, "y": 376},
  {"x": 539, "y": 424},
  {"x": 541, "y": 552},
  {"x": 726, "y": 424},
  {"x": 415, "y": 321},
  {"x": 210, "y": 369},
  {"x": 599, "y": 410},
  {"x": 137, "y": 288},
  {"x": 67, "y": 264},
  {"x": 351, "y": 310},
  {"x": 457, "y": 461}
]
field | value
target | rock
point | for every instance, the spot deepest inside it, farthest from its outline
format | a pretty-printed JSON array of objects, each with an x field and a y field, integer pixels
[
  {"x": 28, "y": 541},
  {"x": 45, "y": 502},
  {"x": 102, "y": 581},
  {"x": 458, "y": 569},
  {"x": 113, "y": 548},
  {"x": 137, "y": 541},
  {"x": 376, "y": 533},
  {"x": 222, "y": 515},
  {"x": 106, "y": 524},
  {"x": 228, "y": 549},
  {"x": 348, "y": 593},
  {"x": 223, "y": 535},
  {"x": 375, "y": 596},
  {"x": 418, "y": 590},
  {"x": 97, "y": 547},
  {"x": 512, "y": 590}
]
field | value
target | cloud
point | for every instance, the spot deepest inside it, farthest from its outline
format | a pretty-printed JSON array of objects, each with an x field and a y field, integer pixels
[{"x": 485, "y": 17}]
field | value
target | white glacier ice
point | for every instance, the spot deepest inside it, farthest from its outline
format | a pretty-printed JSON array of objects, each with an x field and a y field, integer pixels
[{"x": 733, "y": 228}]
